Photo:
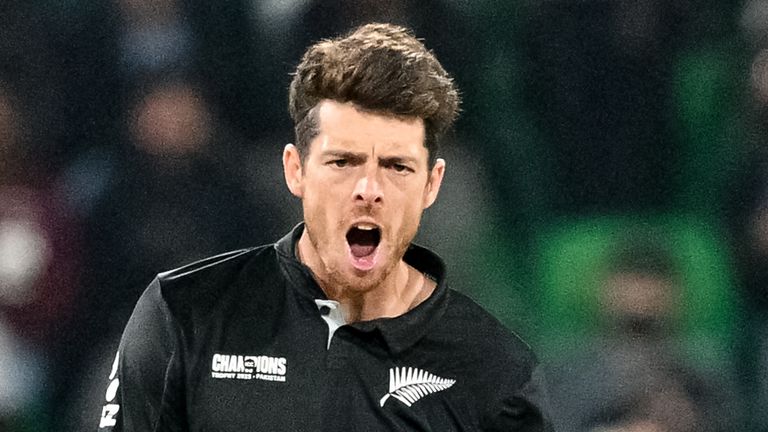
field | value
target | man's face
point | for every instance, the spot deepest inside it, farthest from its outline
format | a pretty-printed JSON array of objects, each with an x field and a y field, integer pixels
[
  {"x": 364, "y": 184},
  {"x": 640, "y": 296}
]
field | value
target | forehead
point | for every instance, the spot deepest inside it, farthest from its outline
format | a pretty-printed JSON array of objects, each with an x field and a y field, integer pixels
[{"x": 343, "y": 126}]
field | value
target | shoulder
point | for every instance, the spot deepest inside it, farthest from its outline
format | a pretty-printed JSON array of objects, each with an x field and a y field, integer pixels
[
  {"x": 506, "y": 376},
  {"x": 196, "y": 288},
  {"x": 474, "y": 320},
  {"x": 485, "y": 334},
  {"x": 214, "y": 266}
]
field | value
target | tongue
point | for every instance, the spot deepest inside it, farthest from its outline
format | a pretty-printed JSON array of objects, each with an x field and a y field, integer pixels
[
  {"x": 362, "y": 250},
  {"x": 362, "y": 243}
]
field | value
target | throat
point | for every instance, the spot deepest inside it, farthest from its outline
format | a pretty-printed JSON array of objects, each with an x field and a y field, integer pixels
[{"x": 406, "y": 290}]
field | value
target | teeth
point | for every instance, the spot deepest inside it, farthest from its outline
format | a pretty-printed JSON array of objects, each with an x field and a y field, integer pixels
[{"x": 365, "y": 227}]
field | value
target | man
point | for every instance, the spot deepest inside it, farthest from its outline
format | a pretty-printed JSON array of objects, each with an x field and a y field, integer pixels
[{"x": 343, "y": 325}]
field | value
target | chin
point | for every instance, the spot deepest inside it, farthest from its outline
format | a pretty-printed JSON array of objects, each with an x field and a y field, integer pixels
[
  {"x": 365, "y": 280},
  {"x": 353, "y": 282}
]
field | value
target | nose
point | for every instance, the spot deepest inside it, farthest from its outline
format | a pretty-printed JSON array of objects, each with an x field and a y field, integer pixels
[{"x": 368, "y": 188}]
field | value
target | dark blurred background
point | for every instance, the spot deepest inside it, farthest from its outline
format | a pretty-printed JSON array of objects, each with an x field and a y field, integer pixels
[{"x": 606, "y": 192}]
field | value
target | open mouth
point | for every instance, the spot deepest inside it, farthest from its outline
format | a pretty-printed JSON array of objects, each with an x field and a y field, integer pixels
[{"x": 363, "y": 239}]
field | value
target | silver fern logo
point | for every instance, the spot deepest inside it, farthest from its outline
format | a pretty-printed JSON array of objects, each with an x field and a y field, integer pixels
[{"x": 411, "y": 384}]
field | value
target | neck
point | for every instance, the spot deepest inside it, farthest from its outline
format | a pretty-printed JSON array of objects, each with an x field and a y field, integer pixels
[
  {"x": 395, "y": 296},
  {"x": 401, "y": 289}
]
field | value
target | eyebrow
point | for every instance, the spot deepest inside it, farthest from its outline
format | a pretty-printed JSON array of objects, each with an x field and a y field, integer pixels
[
  {"x": 361, "y": 157},
  {"x": 398, "y": 160},
  {"x": 345, "y": 154},
  {"x": 341, "y": 154}
]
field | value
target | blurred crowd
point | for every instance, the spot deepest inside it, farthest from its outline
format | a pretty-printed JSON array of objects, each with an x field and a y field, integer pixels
[{"x": 606, "y": 193}]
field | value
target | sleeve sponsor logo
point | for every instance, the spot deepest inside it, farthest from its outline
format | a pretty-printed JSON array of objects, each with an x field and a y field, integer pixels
[
  {"x": 247, "y": 367},
  {"x": 110, "y": 410}
]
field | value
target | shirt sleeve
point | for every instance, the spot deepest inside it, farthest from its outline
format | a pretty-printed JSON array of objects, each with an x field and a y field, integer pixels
[
  {"x": 522, "y": 409},
  {"x": 145, "y": 390}
]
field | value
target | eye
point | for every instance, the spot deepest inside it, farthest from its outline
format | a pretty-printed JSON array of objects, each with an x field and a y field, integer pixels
[
  {"x": 400, "y": 168},
  {"x": 339, "y": 163}
]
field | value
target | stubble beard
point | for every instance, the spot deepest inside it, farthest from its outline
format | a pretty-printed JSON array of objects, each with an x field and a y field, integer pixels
[{"x": 337, "y": 281}]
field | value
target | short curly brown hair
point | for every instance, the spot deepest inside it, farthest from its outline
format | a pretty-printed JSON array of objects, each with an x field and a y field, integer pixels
[{"x": 381, "y": 68}]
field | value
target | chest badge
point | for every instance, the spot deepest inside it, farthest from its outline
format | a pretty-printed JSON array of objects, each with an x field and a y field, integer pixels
[
  {"x": 248, "y": 367},
  {"x": 408, "y": 385}
]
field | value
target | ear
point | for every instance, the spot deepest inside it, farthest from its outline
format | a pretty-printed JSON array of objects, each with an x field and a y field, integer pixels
[
  {"x": 292, "y": 170},
  {"x": 433, "y": 183}
]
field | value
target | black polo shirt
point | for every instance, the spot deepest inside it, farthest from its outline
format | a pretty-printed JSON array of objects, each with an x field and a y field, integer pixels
[{"x": 247, "y": 341}]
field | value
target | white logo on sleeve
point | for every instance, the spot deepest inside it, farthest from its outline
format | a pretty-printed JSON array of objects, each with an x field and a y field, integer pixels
[
  {"x": 110, "y": 410},
  {"x": 247, "y": 367},
  {"x": 411, "y": 384}
]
